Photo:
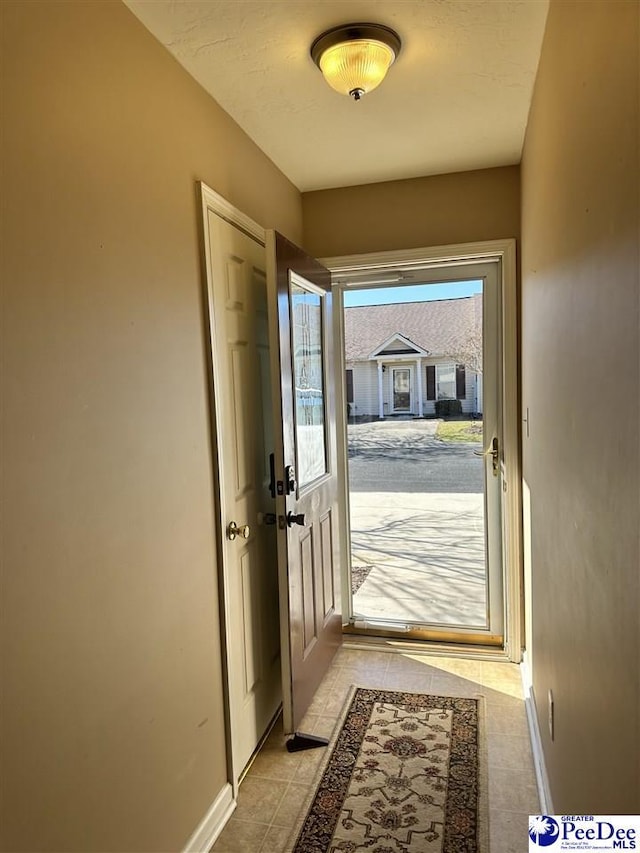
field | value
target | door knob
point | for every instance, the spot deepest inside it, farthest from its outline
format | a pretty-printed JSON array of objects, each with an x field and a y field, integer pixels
[
  {"x": 292, "y": 519},
  {"x": 233, "y": 531}
]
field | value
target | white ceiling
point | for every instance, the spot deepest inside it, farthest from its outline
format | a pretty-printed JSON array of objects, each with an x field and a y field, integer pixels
[{"x": 457, "y": 97}]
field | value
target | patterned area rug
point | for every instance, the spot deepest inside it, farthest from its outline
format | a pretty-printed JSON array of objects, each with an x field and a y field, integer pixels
[{"x": 404, "y": 774}]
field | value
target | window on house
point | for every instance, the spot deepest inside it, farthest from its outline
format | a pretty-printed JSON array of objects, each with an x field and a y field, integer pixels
[
  {"x": 446, "y": 382},
  {"x": 431, "y": 382},
  {"x": 349, "y": 386}
]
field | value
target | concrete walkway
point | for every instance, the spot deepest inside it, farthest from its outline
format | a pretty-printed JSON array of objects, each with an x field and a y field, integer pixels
[
  {"x": 424, "y": 550},
  {"x": 425, "y": 554}
]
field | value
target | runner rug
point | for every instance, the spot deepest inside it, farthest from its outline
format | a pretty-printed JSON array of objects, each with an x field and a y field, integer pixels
[{"x": 405, "y": 773}]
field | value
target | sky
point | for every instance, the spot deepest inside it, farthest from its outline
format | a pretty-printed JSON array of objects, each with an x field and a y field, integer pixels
[{"x": 411, "y": 293}]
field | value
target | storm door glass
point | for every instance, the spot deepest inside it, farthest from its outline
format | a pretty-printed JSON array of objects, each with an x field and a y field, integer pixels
[
  {"x": 401, "y": 389},
  {"x": 308, "y": 377}
]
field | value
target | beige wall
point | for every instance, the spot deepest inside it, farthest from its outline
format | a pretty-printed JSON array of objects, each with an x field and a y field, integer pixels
[
  {"x": 437, "y": 211},
  {"x": 580, "y": 181},
  {"x": 111, "y": 683}
]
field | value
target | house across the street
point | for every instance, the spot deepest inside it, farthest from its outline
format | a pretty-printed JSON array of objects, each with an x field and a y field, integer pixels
[{"x": 400, "y": 359}]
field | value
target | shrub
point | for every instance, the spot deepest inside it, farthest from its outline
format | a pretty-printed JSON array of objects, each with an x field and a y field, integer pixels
[{"x": 448, "y": 408}]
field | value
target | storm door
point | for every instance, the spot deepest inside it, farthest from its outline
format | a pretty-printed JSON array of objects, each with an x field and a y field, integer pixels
[
  {"x": 424, "y": 479},
  {"x": 401, "y": 389}
]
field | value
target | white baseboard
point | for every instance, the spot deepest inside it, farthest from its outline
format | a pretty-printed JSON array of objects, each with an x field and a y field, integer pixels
[
  {"x": 542, "y": 780},
  {"x": 212, "y": 823}
]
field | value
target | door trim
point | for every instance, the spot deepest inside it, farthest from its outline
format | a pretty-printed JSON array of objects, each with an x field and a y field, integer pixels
[
  {"x": 212, "y": 202},
  {"x": 503, "y": 253}
]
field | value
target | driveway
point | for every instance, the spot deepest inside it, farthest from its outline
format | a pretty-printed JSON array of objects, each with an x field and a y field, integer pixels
[{"x": 406, "y": 456}]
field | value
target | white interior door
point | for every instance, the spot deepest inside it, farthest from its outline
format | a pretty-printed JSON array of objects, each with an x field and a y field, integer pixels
[{"x": 243, "y": 420}]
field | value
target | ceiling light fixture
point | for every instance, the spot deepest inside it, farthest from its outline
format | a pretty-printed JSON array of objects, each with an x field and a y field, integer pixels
[{"x": 355, "y": 58}]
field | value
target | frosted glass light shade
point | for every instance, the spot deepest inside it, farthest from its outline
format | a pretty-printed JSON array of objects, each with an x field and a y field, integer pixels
[
  {"x": 356, "y": 65},
  {"x": 355, "y": 58}
]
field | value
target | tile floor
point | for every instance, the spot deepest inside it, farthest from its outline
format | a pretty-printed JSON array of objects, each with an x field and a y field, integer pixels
[{"x": 277, "y": 784}]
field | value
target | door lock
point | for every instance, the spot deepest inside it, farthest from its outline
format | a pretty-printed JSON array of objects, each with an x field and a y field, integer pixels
[
  {"x": 290, "y": 479},
  {"x": 292, "y": 519}
]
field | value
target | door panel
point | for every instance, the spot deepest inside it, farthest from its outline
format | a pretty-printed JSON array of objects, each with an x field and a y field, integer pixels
[
  {"x": 252, "y": 669},
  {"x": 306, "y": 471},
  {"x": 327, "y": 578},
  {"x": 309, "y": 616}
]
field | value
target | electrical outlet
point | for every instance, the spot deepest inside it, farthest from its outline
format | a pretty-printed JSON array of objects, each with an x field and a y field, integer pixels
[{"x": 551, "y": 721}]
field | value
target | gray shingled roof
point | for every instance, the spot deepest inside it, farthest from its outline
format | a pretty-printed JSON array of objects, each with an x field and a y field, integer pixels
[{"x": 439, "y": 327}]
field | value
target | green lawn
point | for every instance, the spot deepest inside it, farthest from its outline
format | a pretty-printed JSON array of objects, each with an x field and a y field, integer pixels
[{"x": 459, "y": 431}]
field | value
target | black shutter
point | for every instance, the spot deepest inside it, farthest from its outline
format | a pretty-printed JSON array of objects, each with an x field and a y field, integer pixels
[
  {"x": 349, "y": 386},
  {"x": 431, "y": 382},
  {"x": 461, "y": 382}
]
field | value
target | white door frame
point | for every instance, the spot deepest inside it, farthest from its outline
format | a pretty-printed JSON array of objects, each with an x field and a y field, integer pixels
[{"x": 502, "y": 253}]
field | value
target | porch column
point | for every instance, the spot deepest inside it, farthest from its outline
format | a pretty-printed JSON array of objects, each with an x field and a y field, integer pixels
[
  {"x": 380, "y": 394},
  {"x": 419, "y": 363}
]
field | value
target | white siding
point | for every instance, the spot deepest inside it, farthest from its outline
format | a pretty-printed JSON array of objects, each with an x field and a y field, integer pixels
[
  {"x": 365, "y": 388},
  {"x": 469, "y": 403}
]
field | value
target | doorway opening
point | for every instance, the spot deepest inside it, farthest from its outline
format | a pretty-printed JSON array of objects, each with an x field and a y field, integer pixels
[
  {"x": 424, "y": 432},
  {"x": 415, "y": 437}
]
